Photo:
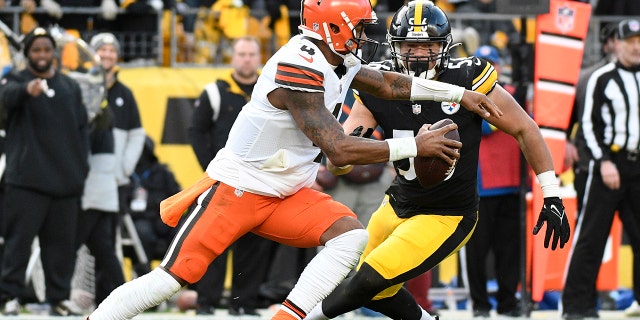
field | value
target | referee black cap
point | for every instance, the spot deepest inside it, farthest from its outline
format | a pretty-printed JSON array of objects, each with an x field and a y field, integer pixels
[{"x": 628, "y": 28}]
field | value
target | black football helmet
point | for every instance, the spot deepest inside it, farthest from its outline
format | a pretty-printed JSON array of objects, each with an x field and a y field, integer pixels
[{"x": 420, "y": 21}]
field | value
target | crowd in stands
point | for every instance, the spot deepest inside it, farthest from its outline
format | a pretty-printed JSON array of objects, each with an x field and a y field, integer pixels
[{"x": 190, "y": 32}]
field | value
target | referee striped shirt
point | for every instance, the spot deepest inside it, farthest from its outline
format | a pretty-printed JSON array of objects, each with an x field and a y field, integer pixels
[{"x": 611, "y": 119}]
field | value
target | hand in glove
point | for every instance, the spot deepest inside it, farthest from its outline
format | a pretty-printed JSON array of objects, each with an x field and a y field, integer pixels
[
  {"x": 52, "y": 8},
  {"x": 557, "y": 223},
  {"x": 109, "y": 9}
]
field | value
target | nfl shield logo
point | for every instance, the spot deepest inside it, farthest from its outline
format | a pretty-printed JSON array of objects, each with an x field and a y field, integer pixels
[
  {"x": 416, "y": 108},
  {"x": 565, "y": 18}
]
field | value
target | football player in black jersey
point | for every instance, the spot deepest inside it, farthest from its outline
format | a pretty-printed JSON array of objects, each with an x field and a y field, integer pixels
[{"x": 416, "y": 228}]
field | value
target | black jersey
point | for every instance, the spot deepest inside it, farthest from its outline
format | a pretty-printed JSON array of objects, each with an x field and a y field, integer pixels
[{"x": 458, "y": 194}]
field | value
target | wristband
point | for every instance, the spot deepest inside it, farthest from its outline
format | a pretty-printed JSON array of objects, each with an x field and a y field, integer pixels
[
  {"x": 549, "y": 184},
  {"x": 402, "y": 148},
  {"x": 423, "y": 89}
]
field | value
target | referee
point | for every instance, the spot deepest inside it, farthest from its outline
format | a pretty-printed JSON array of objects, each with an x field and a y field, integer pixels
[{"x": 611, "y": 128}]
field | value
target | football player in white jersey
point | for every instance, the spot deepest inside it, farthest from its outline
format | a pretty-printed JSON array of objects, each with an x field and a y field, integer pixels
[{"x": 259, "y": 182}]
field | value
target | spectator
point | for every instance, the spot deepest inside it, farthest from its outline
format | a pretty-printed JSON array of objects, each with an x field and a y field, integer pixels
[
  {"x": 97, "y": 222},
  {"x": 188, "y": 24},
  {"x": 268, "y": 21},
  {"x": 611, "y": 134},
  {"x": 226, "y": 20},
  {"x": 47, "y": 150},
  {"x": 128, "y": 133},
  {"x": 216, "y": 110},
  {"x": 499, "y": 210}
]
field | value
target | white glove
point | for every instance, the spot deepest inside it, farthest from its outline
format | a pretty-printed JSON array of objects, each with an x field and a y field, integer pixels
[
  {"x": 52, "y": 8},
  {"x": 109, "y": 9}
]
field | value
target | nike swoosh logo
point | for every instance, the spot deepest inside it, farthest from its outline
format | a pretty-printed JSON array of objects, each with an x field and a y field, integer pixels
[
  {"x": 555, "y": 210},
  {"x": 309, "y": 59}
]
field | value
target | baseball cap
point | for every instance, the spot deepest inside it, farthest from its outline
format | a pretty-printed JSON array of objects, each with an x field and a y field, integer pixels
[
  {"x": 31, "y": 36},
  {"x": 488, "y": 52},
  {"x": 628, "y": 28},
  {"x": 104, "y": 38}
]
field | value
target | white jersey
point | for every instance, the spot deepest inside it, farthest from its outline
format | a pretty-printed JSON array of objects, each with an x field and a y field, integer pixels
[{"x": 266, "y": 153}]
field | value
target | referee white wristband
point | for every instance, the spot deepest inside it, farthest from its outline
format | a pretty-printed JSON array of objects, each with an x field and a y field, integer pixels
[
  {"x": 402, "y": 148},
  {"x": 423, "y": 89},
  {"x": 549, "y": 184}
]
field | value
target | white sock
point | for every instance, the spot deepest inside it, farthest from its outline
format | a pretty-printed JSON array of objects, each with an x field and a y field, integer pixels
[
  {"x": 426, "y": 315},
  {"x": 328, "y": 268},
  {"x": 316, "y": 313},
  {"x": 137, "y": 295}
]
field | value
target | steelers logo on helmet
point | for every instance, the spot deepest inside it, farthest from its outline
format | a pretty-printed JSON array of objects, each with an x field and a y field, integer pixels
[
  {"x": 421, "y": 23},
  {"x": 340, "y": 24}
]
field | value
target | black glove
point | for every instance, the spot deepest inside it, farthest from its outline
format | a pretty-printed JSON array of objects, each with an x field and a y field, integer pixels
[{"x": 557, "y": 223}]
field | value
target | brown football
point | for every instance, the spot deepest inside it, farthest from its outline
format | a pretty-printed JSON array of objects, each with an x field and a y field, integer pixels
[{"x": 431, "y": 170}]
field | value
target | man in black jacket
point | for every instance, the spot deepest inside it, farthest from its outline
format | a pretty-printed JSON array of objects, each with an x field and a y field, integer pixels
[{"x": 47, "y": 151}]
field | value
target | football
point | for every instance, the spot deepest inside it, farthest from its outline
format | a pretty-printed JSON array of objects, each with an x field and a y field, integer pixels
[{"x": 430, "y": 170}]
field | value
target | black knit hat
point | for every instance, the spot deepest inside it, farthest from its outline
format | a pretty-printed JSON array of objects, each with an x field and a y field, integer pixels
[{"x": 31, "y": 36}]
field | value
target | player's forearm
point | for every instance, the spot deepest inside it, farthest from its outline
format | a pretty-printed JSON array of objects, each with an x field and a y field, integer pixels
[
  {"x": 353, "y": 150},
  {"x": 536, "y": 152},
  {"x": 396, "y": 86}
]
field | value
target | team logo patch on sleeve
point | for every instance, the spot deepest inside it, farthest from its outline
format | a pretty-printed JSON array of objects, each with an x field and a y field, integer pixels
[{"x": 297, "y": 76}]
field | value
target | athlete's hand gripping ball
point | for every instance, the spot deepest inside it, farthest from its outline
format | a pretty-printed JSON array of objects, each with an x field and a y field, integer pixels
[{"x": 557, "y": 223}]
